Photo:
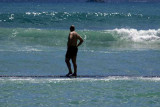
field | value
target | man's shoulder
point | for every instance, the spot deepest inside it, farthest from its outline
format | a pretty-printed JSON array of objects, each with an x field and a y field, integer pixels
[{"x": 73, "y": 33}]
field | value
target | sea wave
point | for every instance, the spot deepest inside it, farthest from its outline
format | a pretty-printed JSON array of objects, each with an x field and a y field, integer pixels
[
  {"x": 62, "y": 19},
  {"x": 92, "y": 38}
]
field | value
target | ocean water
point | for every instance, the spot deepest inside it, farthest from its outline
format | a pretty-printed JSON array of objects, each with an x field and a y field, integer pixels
[{"x": 121, "y": 45}]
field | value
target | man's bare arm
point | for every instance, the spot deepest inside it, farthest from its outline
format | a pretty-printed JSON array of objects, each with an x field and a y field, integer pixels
[{"x": 80, "y": 39}]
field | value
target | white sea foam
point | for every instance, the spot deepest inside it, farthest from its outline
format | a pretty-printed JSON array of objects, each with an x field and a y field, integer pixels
[
  {"x": 34, "y": 13},
  {"x": 11, "y": 17},
  {"x": 16, "y": 48},
  {"x": 28, "y": 48},
  {"x": 85, "y": 79},
  {"x": 135, "y": 35}
]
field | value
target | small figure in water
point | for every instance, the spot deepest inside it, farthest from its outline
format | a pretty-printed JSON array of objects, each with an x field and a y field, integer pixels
[{"x": 72, "y": 49}]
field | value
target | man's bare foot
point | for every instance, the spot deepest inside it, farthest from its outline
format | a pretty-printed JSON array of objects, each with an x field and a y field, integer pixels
[
  {"x": 74, "y": 75},
  {"x": 69, "y": 74}
]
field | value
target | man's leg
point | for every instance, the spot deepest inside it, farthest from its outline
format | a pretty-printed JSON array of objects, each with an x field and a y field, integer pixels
[
  {"x": 68, "y": 65},
  {"x": 74, "y": 65}
]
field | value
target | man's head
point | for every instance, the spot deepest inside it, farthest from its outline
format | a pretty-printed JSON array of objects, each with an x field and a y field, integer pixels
[{"x": 72, "y": 28}]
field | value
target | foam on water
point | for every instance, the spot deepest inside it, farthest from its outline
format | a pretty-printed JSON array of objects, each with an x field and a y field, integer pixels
[
  {"x": 135, "y": 35},
  {"x": 86, "y": 79}
]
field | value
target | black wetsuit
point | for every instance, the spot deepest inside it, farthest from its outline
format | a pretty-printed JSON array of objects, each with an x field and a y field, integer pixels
[{"x": 71, "y": 52}]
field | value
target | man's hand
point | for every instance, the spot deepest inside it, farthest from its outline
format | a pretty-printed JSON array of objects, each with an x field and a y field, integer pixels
[{"x": 81, "y": 41}]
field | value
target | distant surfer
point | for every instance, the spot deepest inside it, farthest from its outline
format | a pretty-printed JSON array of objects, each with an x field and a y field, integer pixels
[{"x": 72, "y": 49}]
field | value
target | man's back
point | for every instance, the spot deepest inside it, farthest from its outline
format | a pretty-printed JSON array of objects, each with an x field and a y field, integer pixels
[{"x": 73, "y": 38}]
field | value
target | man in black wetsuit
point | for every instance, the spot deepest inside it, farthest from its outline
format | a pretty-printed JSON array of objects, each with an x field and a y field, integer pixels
[{"x": 72, "y": 49}]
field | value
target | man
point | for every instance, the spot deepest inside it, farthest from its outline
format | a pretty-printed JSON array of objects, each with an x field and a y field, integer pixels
[{"x": 72, "y": 49}]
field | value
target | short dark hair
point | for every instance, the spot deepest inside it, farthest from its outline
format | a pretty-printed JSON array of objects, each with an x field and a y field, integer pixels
[{"x": 72, "y": 28}]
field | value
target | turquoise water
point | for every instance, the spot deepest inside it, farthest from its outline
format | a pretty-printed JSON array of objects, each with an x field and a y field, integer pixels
[
  {"x": 121, "y": 42},
  {"x": 84, "y": 92},
  {"x": 82, "y": 15}
]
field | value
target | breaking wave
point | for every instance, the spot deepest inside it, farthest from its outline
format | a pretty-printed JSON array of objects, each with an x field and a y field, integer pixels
[{"x": 92, "y": 38}]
